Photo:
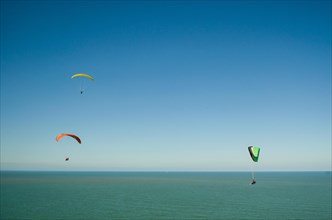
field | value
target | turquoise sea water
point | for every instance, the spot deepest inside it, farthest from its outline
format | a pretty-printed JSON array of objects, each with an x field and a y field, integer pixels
[{"x": 174, "y": 195}]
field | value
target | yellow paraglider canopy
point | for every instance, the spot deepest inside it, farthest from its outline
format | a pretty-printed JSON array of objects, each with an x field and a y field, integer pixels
[{"x": 82, "y": 74}]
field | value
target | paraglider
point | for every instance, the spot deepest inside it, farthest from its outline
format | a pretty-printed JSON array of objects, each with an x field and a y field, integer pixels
[
  {"x": 254, "y": 154},
  {"x": 68, "y": 135},
  {"x": 84, "y": 75}
]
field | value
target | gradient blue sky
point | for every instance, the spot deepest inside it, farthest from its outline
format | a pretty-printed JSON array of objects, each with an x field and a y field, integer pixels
[{"x": 179, "y": 86}]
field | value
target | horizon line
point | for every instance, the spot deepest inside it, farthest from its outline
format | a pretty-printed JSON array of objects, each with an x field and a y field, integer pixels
[{"x": 163, "y": 171}]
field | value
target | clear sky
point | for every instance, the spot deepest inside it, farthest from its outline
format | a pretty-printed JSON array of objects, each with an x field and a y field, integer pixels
[{"x": 179, "y": 85}]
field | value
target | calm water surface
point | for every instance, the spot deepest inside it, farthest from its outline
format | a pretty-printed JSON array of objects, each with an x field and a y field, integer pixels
[{"x": 126, "y": 195}]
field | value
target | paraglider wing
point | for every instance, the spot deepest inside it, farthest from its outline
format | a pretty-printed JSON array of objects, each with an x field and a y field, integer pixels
[
  {"x": 70, "y": 135},
  {"x": 254, "y": 153},
  {"x": 82, "y": 75}
]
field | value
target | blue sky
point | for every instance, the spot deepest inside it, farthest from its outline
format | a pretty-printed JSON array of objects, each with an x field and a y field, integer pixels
[{"x": 179, "y": 86}]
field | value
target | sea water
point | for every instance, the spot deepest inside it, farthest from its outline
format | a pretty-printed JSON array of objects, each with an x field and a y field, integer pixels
[{"x": 165, "y": 195}]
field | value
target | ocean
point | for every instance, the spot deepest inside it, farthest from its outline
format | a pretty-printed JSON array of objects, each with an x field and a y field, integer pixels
[{"x": 165, "y": 195}]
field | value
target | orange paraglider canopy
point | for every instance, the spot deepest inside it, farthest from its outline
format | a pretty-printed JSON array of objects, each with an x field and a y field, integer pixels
[{"x": 70, "y": 135}]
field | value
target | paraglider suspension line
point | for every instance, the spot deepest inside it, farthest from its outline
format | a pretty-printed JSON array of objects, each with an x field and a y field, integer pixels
[
  {"x": 82, "y": 84},
  {"x": 252, "y": 171}
]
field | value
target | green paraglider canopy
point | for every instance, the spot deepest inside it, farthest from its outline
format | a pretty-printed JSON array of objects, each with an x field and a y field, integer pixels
[{"x": 254, "y": 152}]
